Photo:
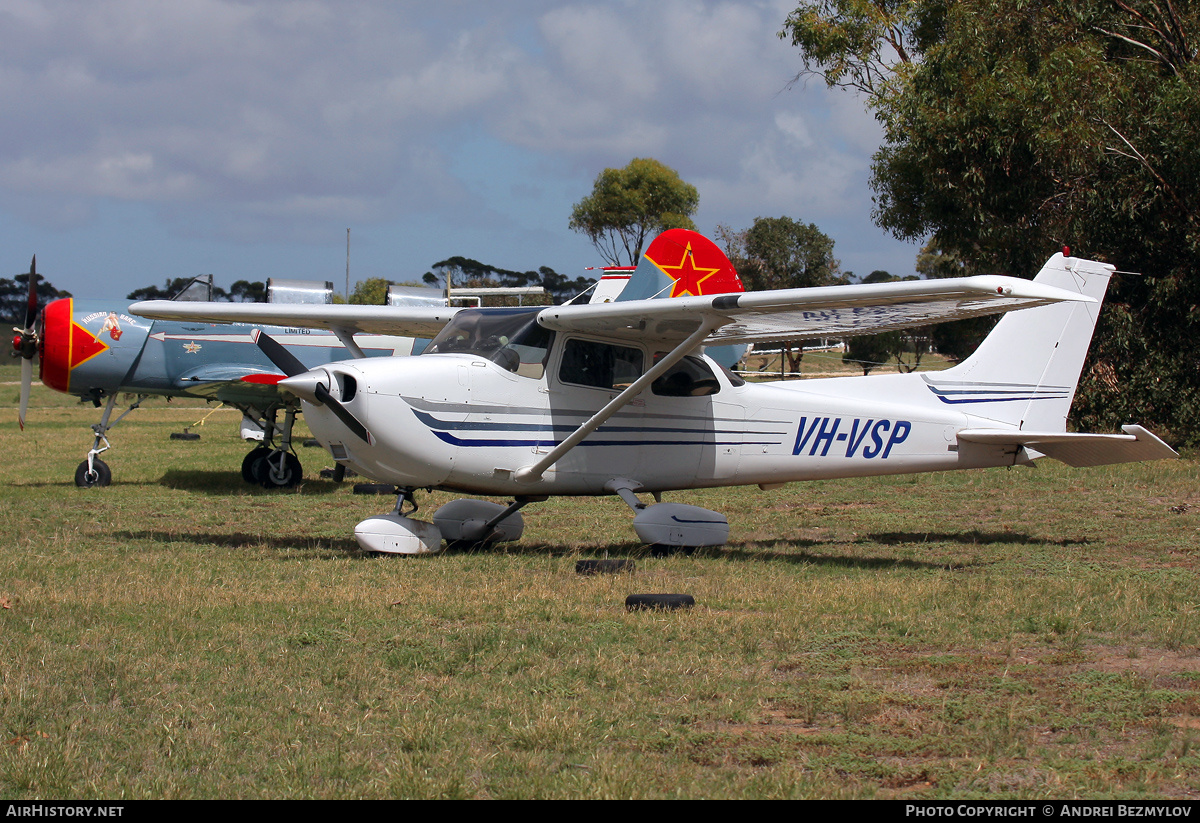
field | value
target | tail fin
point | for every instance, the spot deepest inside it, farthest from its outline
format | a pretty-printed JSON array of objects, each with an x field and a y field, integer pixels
[
  {"x": 1025, "y": 372},
  {"x": 611, "y": 283},
  {"x": 681, "y": 262}
]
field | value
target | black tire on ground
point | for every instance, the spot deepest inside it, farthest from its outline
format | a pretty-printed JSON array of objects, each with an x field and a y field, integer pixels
[
  {"x": 250, "y": 463},
  {"x": 184, "y": 436},
  {"x": 606, "y": 565},
  {"x": 271, "y": 476},
  {"x": 374, "y": 488},
  {"x": 312, "y": 443},
  {"x": 659, "y": 601},
  {"x": 101, "y": 474}
]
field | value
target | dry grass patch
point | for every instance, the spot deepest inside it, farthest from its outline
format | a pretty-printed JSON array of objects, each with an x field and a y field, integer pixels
[{"x": 179, "y": 634}]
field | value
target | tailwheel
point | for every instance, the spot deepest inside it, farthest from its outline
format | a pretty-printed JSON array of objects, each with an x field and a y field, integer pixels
[
  {"x": 279, "y": 470},
  {"x": 98, "y": 474}
]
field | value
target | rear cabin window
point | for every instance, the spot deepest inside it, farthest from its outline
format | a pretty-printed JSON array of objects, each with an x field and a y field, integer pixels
[
  {"x": 600, "y": 365},
  {"x": 690, "y": 377}
]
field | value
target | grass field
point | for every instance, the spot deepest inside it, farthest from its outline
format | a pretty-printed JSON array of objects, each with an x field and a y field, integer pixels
[{"x": 1006, "y": 634}]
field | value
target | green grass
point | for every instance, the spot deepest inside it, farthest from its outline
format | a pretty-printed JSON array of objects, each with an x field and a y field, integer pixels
[{"x": 1003, "y": 634}]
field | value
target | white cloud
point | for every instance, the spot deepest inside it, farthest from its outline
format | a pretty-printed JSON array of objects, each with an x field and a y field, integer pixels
[
  {"x": 263, "y": 96},
  {"x": 793, "y": 127},
  {"x": 246, "y": 115}
]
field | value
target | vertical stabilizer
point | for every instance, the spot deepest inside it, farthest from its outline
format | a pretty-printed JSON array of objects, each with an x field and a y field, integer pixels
[
  {"x": 1025, "y": 372},
  {"x": 611, "y": 283},
  {"x": 681, "y": 262}
]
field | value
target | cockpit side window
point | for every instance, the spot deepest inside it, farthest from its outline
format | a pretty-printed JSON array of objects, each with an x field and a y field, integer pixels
[
  {"x": 510, "y": 338},
  {"x": 601, "y": 365}
]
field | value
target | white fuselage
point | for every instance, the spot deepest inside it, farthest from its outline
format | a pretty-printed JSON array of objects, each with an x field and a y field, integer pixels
[{"x": 460, "y": 422}]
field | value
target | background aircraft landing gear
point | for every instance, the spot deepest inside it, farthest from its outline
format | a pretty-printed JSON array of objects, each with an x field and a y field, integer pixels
[
  {"x": 271, "y": 466},
  {"x": 94, "y": 471},
  {"x": 250, "y": 464},
  {"x": 98, "y": 474},
  {"x": 279, "y": 470}
]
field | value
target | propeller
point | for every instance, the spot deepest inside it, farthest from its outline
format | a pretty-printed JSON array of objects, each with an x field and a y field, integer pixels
[
  {"x": 25, "y": 342},
  {"x": 307, "y": 384},
  {"x": 283, "y": 359}
]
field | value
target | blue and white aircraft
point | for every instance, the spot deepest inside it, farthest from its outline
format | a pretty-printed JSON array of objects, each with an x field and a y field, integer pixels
[
  {"x": 97, "y": 350},
  {"x": 621, "y": 398}
]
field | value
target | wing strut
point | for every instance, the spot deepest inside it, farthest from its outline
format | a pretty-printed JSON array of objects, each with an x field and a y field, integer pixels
[
  {"x": 532, "y": 474},
  {"x": 347, "y": 338}
]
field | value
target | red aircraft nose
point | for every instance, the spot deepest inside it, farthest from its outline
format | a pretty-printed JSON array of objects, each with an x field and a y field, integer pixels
[
  {"x": 56, "y": 344},
  {"x": 65, "y": 344}
]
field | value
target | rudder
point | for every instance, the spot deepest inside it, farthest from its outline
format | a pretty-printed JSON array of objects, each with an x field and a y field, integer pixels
[{"x": 1025, "y": 372}]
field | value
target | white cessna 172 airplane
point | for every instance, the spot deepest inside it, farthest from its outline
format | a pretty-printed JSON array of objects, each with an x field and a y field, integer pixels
[{"x": 620, "y": 398}]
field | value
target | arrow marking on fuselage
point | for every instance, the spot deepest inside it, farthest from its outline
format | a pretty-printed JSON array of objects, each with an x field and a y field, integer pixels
[{"x": 318, "y": 340}]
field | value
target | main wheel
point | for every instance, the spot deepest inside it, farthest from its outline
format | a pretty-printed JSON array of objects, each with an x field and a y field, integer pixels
[
  {"x": 273, "y": 476},
  {"x": 100, "y": 474},
  {"x": 250, "y": 464}
]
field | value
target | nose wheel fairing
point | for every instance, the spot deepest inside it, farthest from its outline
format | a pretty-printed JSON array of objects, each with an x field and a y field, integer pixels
[{"x": 459, "y": 522}]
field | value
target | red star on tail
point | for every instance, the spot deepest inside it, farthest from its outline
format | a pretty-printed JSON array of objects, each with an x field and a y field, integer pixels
[{"x": 686, "y": 274}]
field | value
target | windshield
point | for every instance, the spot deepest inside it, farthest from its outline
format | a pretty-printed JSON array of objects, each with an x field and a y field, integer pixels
[{"x": 510, "y": 338}]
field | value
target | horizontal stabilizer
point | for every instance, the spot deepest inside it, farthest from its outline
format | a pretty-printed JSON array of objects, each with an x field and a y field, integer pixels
[{"x": 1074, "y": 449}]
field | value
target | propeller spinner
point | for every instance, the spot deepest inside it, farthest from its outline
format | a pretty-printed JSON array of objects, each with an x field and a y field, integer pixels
[{"x": 309, "y": 385}]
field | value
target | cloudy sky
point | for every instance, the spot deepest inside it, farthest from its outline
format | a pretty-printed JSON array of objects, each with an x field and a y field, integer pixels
[{"x": 150, "y": 139}]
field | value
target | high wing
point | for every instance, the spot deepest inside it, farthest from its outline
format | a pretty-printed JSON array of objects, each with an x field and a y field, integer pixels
[
  {"x": 402, "y": 321},
  {"x": 832, "y": 311}
]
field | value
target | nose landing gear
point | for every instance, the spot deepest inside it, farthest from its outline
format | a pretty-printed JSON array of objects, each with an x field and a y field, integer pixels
[{"x": 93, "y": 471}]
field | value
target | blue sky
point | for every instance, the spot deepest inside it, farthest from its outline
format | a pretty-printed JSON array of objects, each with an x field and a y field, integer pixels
[{"x": 151, "y": 139}]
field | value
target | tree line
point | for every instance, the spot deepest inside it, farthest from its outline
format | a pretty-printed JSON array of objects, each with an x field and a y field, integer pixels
[
  {"x": 1012, "y": 129},
  {"x": 14, "y": 297}
]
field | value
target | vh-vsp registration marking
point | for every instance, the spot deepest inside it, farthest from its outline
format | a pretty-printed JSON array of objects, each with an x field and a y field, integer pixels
[{"x": 823, "y": 432}]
